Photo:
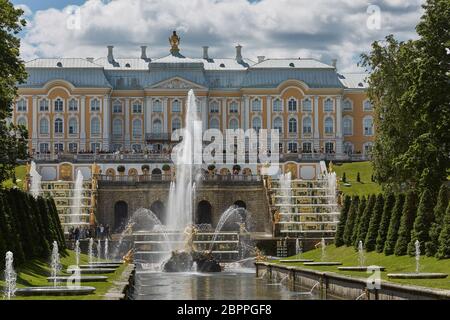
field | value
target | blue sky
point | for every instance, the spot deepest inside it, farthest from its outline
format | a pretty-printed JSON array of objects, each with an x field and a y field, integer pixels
[{"x": 321, "y": 29}]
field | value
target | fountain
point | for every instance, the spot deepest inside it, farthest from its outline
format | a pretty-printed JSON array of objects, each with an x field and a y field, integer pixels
[
  {"x": 77, "y": 200},
  {"x": 417, "y": 255},
  {"x": 35, "y": 187},
  {"x": 323, "y": 261},
  {"x": 361, "y": 261},
  {"x": 10, "y": 276},
  {"x": 99, "y": 251},
  {"x": 298, "y": 247},
  {"x": 91, "y": 251},
  {"x": 298, "y": 252},
  {"x": 106, "y": 249},
  {"x": 77, "y": 252},
  {"x": 361, "y": 255},
  {"x": 55, "y": 263}
]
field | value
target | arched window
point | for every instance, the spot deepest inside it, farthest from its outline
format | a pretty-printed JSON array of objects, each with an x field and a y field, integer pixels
[
  {"x": 22, "y": 121},
  {"x": 137, "y": 107},
  {"x": 292, "y": 125},
  {"x": 43, "y": 126},
  {"x": 328, "y": 105},
  {"x": 368, "y": 126},
  {"x": 256, "y": 105},
  {"x": 307, "y": 125},
  {"x": 329, "y": 147},
  {"x": 347, "y": 105},
  {"x": 292, "y": 105},
  {"x": 234, "y": 108},
  {"x": 307, "y": 105},
  {"x": 22, "y": 105},
  {"x": 234, "y": 124},
  {"x": 347, "y": 124},
  {"x": 329, "y": 126},
  {"x": 214, "y": 107},
  {"x": 307, "y": 147},
  {"x": 95, "y": 126},
  {"x": 214, "y": 124},
  {"x": 95, "y": 105},
  {"x": 277, "y": 106},
  {"x": 43, "y": 105},
  {"x": 176, "y": 124},
  {"x": 73, "y": 105},
  {"x": 137, "y": 128},
  {"x": 157, "y": 126},
  {"x": 278, "y": 124},
  {"x": 256, "y": 123},
  {"x": 348, "y": 147},
  {"x": 117, "y": 127},
  {"x": 157, "y": 106},
  {"x": 292, "y": 147},
  {"x": 367, "y": 105},
  {"x": 73, "y": 126},
  {"x": 117, "y": 107},
  {"x": 59, "y": 127},
  {"x": 176, "y": 106},
  {"x": 59, "y": 105}
]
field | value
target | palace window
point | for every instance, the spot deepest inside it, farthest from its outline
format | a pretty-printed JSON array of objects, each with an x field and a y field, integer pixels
[
  {"x": 176, "y": 106},
  {"x": 59, "y": 127},
  {"x": 73, "y": 105},
  {"x": 214, "y": 107},
  {"x": 157, "y": 106},
  {"x": 73, "y": 126},
  {"x": 59, "y": 105},
  {"x": 278, "y": 124},
  {"x": 95, "y": 105},
  {"x": 44, "y": 148},
  {"x": 117, "y": 127},
  {"x": 329, "y": 147},
  {"x": 256, "y": 123},
  {"x": 234, "y": 124},
  {"x": 22, "y": 121},
  {"x": 117, "y": 107},
  {"x": 136, "y": 147},
  {"x": 328, "y": 105},
  {"x": 137, "y": 128},
  {"x": 137, "y": 108},
  {"x": 234, "y": 108},
  {"x": 368, "y": 126},
  {"x": 292, "y": 125},
  {"x": 277, "y": 105},
  {"x": 256, "y": 105},
  {"x": 214, "y": 124},
  {"x": 43, "y": 126},
  {"x": 368, "y": 148},
  {"x": 347, "y": 105},
  {"x": 307, "y": 105},
  {"x": 292, "y": 147},
  {"x": 348, "y": 147},
  {"x": 347, "y": 124},
  {"x": 73, "y": 147},
  {"x": 292, "y": 105},
  {"x": 58, "y": 147},
  {"x": 157, "y": 126},
  {"x": 176, "y": 124},
  {"x": 95, "y": 147},
  {"x": 95, "y": 126},
  {"x": 43, "y": 105},
  {"x": 367, "y": 105},
  {"x": 307, "y": 125},
  {"x": 307, "y": 147},
  {"x": 329, "y": 125},
  {"x": 22, "y": 105}
]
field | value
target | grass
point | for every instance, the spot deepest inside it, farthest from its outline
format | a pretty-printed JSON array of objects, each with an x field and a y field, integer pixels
[
  {"x": 21, "y": 172},
  {"x": 34, "y": 274},
  {"x": 365, "y": 187},
  {"x": 393, "y": 264}
]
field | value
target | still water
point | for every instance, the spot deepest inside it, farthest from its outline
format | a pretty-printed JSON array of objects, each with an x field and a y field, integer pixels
[{"x": 238, "y": 284}]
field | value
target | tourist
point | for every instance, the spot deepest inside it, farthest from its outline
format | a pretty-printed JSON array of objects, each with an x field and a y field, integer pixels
[
  {"x": 102, "y": 229},
  {"x": 77, "y": 234}
]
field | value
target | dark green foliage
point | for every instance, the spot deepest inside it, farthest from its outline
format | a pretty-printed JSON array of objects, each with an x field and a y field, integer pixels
[
  {"x": 351, "y": 221},
  {"x": 406, "y": 224},
  {"x": 364, "y": 220},
  {"x": 394, "y": 224},
  {"x": 8, "y": 228},
  {"x": 422, "y": 223},
  {"x": 444, "y": 238},
  {"x": 339, "y": 238},
  {"x": 344, "y": 178},
  {"x": 372, "y": 232},
  {"x": 358, "y": 177},
  {"x": 359, "y": 213},
  {"x": 436, "y": 227},
  {"x": 384, "y": 223}
]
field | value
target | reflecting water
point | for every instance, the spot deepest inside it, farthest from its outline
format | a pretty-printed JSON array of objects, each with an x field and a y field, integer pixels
[{"x": 229, "y": 285}]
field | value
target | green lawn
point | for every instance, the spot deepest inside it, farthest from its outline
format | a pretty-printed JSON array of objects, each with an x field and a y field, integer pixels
[
  {"x": 365, "y": 187},
  {"x": 35, "y": 273},
  {"x": 21, "y": 171},
  {"x": 393, "y": 264}
]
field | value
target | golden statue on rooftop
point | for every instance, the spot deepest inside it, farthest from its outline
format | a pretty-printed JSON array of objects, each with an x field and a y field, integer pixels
[{"x": 174, "y": 41}]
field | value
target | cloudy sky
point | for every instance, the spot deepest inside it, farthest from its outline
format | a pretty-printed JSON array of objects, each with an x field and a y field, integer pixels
[{"x": 340, "y": 29}]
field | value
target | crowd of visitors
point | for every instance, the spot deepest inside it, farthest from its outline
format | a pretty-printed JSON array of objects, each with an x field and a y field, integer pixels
[{"x": 99, "y": 232}]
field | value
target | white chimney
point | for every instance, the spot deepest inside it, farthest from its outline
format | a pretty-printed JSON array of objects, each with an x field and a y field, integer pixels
[
  {"x": 205, "y": 53},
  {"x": 261, "y": 59},
  {"x": 334, "y": 63},
  {"x": 239, "y": 53},
  {"x": 110, "y": 54},
  {"x": 144, "y": 53}
]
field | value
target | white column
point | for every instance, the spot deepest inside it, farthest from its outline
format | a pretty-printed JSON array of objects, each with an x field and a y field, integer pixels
[
  {"x": 34, "y": 133},
  {"x": 83, "y": 123},
  {"x": 316, "y": 124},
  {"x": 106, "y": 123},
  {"x": 246, "y": 112},
  {"x": 338, "y": 125},
  {"x": 269, "y": 112},
  {"x": 148, "y": 114},
  {"x": 127, "y": 124},
  {"x": 204, "y": 109},
  {"x": 165, "y": 113},
  {"x": 224, "y": 110}
]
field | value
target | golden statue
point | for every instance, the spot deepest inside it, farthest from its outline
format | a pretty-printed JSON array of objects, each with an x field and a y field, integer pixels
[{"x": 174, "y": 41}]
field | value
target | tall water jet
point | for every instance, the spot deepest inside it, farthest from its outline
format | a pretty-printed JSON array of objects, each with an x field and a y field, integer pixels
[
  {"x": 233, "y": 212},
  {"x": 298, "y": 247},
  {"x": 77, "y": 252},
  {"x": 77, "y": 199},
  {"x": 361, "y": 255},
  {"x": 10, "y": 276},
  {"x": 91, "y": 251},
  {"x": 55, "y": 263},
  {"x": 106, "y": 249},
  {"x": 99, "y": 250},
  {"x": 323, "y": 246},
  {"x": 35, "y": 187},
  {"x": 417, "y": 245}
]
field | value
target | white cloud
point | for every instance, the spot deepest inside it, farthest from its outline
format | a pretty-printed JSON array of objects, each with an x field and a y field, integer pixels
[{"x": 274, "y": 28}]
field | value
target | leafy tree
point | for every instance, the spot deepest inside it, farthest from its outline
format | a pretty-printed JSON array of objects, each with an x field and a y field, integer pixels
[
  {"x": 444, "y": 238},
  {"x": 422, "y": 223},
  {"x": 8, "y": 228},
  {"x": 339, "y": 238},
  {"x": 12, "y": 72},
  {"x": 436, "y": 226},
  {"x": 351, "y": 221},
  {"x": 406, "y": 224},
  {"x": 384, "y": 223},
  {"x": 365, "y": 220},
  {"x": 409, "y": 87},
  {"x": 372, "y": 232},
  {"x": 394, "y": 224},
  {"x": 361, "y": 208}
]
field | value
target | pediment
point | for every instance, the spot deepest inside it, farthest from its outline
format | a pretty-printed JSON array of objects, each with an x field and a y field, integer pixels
[{"x": 176, "y": 83}]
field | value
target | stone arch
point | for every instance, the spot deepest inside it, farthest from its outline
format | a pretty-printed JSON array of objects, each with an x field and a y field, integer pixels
[
  {"x": 110, "y": 172},
  {"x": 120, "y": 215},
  {"x": 204, "y": 213},
  {"x": 159, "y": 210},
  {"x": 240, "y": 204},
  {"x": 156, "y": 174}
]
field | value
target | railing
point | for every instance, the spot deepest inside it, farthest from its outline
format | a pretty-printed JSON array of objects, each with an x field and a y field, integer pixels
[
  {"x": 157, "y": 136},
  {"x": 168, "y": 177}
]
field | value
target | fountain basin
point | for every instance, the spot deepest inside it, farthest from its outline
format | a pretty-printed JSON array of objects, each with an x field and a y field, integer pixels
[
  {"x": 54, "y": 291},
  {"x": 82, "y": 279},
  {"x": 323, "y": 263},
  {"x": 116, "y": 262},
  {"x": 296, "y": 260},
  {"x": 414, "y": 275},
  {"x": 99, "y": 266},
  {"x": 361, "y": 269},
  {"x": 95, "y": 270}
]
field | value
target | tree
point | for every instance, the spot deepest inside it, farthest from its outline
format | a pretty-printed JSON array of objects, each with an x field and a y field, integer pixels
[
  {"x": 351, "y": 221},
  {"x": 9, "y": 229},
  {"x": 422, "y": 223},
  {"x": 444, "y": 238},
  {"x": 406, "y": 224},
  {"x": 12, "y": 72},
  {"x": 410, "y": 91},
  {"x": 339, "y": 237},
  {"x": 372, "y": 232},
  {"x": 361, "y": 208},
  {"x": 436, "y": 227},
  {"x": 394, "y": 224},
  {"x": 358, "y": 177},
  {"x": 365, "y": 220},
  {"x": 384, "y": 223}
]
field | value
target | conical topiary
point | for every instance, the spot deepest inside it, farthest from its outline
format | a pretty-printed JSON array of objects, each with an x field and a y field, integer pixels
[
  {"x": 384, "y": 223},
  {"x": 372, "y": 232},
  {"x": 444, "y": 238},
  {"x": 351, "y": 220},
  {"x": 394, "y": 224},
  {"x": 406, "y": 224},
  {"x": 339, "y": 237},
  {"x": 436, "y": 226}
]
